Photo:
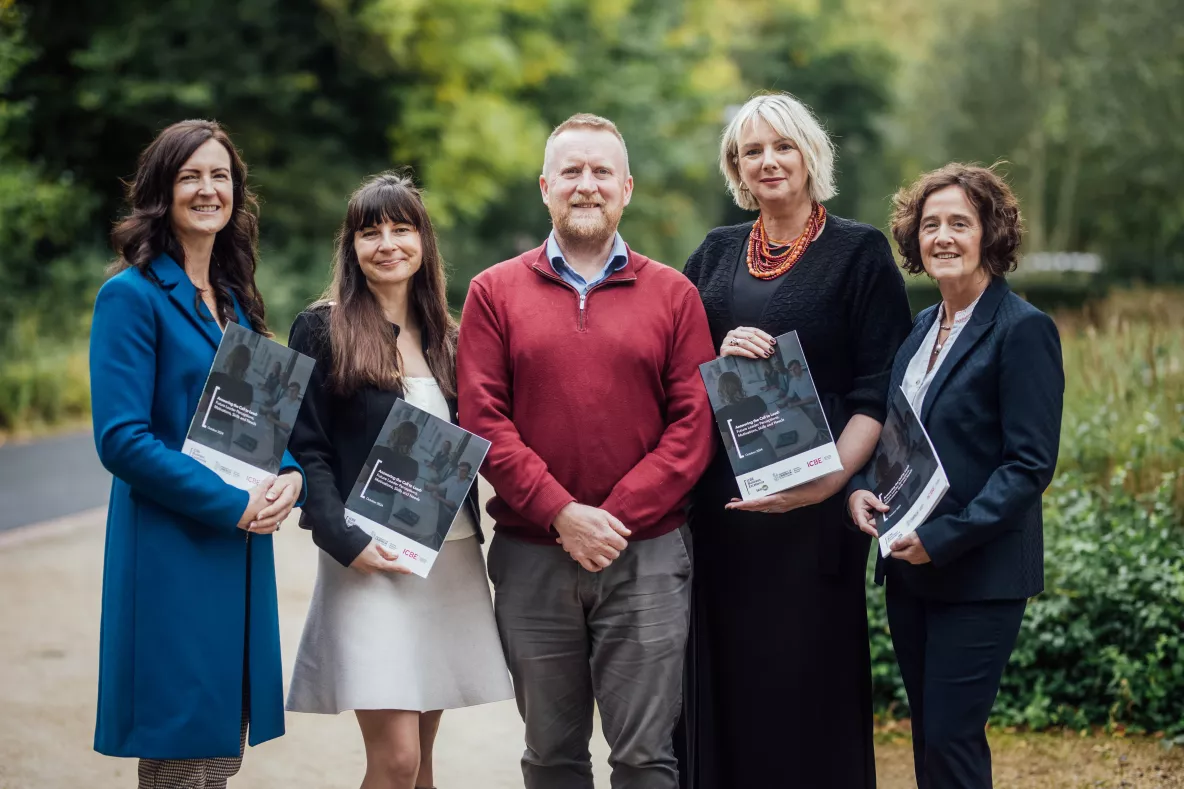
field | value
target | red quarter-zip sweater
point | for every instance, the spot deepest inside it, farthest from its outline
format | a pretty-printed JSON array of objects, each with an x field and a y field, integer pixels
[{"x": 597, "y": 401}]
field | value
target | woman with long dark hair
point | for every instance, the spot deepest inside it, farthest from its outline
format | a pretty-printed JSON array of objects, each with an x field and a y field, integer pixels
[
  {"x": 189, "y": 645},
  {"x": 394, "y": 648}
]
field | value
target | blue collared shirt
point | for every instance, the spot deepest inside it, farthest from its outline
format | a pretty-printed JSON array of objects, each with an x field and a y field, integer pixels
[{"x": 617, "y": 258}]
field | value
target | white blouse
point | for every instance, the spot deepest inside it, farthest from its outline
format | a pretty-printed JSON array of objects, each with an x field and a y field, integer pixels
[{"x": 917, "y": 377}]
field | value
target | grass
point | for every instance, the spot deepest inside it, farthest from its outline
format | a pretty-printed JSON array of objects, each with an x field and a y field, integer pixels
[
  {"x": 1051, "y": 760},
  {"x": 1124, "y": 398},
  {"x": 44, "y": 390}
]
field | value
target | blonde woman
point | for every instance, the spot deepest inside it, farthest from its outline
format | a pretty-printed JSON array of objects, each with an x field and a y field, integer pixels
[{"x": 779, "y": 682}]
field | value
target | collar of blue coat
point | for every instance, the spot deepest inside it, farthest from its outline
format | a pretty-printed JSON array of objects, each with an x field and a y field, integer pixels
[
  {"x": 618, "y": 258},
  {"x": 168, "y": 272},
  {"x": 181, "y": 290}
]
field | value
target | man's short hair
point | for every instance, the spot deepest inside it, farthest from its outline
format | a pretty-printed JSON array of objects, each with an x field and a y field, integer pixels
[
  {"x": 466, "y": 464},
  {"x": 585, "y": 120}
]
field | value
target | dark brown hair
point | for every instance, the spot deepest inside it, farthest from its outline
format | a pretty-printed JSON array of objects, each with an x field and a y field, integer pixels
[
  {"x": 364, "y": 347},
  {"x": 146, "y": 232},
  {"x": 992, "y": 198}
]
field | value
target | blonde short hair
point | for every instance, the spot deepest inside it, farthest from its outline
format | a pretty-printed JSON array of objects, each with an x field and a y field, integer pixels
[
  {"x": 793, "y": 120},
  {"x": 585, "y": 120}
]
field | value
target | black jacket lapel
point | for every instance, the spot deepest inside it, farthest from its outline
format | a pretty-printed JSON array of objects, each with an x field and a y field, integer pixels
[
  {"x": 908, "y": 348},
  {"x": 981, "y": 320}
]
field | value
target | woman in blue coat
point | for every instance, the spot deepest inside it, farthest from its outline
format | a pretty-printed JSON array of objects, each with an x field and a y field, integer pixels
[{"x": 189, "y": 649}]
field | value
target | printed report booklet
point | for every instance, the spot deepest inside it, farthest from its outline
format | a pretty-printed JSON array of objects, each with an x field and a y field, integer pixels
[
  {"x": 905, "y": 473},
  {"x": 414, "y": 483},
  {"x": 245, "y": 415},
  {"x": 770, "y": 419}
]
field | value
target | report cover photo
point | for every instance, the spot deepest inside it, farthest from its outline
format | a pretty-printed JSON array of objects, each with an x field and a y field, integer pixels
[
  {"x": 414, "y": 483},
  {"x": 248, "y": 406},
  {"x": 770, "y": 419},
  {"x": 905, "y": 473}
]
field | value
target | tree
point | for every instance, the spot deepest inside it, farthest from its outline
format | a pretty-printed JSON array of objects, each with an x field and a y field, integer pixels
[
  {"x": 319, "y": 93},
  {"x": 1082, "y": 98}
]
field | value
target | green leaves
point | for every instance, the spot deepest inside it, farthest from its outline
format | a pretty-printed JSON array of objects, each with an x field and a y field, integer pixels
[
  {"x": 1083, "y": 98},
  {"x": 319, "y": 93},
  {"x": 1104, "y": 644}
]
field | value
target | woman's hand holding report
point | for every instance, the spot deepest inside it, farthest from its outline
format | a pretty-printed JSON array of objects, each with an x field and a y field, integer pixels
[
  {"x": 281, "y": 496},
  {"x": 749, "y": 342},
  {"x": 862, "y": 506},
  {"x": 812, "y": 492},
  {"x": 376, "y": 559},
  {"x": 256, "y": 501}
]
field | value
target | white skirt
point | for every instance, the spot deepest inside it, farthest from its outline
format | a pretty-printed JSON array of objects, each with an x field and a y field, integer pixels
[{"x": 401, "y": 642}]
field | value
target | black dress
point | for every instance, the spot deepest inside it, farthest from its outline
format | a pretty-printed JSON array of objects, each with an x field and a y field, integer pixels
[{"x": 778, "y": 668}]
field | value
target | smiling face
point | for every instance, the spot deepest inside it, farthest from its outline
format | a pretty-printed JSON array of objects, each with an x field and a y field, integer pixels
[
  {"x": 586, "y": 185},
  {"x": 771, "y": 166},
  {"x": 389, "y": 252},
  {"x": 203, "y": 193},
  {"x": 950, "y": 236}
]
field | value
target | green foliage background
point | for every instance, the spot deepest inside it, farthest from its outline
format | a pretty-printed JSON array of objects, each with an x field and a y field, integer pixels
[
  {"x": 1083, "y": 100},
  {"x": 1082, "y": 97}
]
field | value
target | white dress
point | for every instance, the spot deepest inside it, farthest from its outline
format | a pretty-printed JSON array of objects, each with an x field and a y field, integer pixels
[{"x": 401, "y": 642}]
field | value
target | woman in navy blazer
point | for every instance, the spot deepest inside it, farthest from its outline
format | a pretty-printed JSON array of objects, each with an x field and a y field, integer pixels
[
  {"x": 983, "y": 371},
  {"x": 189, "y": 645}
]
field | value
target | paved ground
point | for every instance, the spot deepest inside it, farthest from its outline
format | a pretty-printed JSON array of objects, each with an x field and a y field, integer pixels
[
  {"x": 50, "y": 479},
  {"x": 50, "y": 577}
]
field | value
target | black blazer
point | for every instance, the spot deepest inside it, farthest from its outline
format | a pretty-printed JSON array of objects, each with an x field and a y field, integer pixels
[
  {"x": 332, "y": 438},
  {"x": 993, "y": 413}
]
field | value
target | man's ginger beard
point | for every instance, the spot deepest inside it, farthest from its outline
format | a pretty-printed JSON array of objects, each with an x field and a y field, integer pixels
[{"x": 590, "y": 230}]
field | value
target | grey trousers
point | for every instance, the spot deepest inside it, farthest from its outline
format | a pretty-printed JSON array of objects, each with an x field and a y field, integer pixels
[{"x": 614, "y": 638}]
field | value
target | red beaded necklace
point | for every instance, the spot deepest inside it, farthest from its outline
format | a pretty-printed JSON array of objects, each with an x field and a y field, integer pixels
[{"x": 763, "y": 263}]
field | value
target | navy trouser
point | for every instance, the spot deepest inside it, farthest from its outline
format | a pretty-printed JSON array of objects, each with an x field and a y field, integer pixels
[{"x": 951, "y": 657}]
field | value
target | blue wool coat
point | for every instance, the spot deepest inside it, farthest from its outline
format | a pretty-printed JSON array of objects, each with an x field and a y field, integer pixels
[{"x": 175, "y": 626}]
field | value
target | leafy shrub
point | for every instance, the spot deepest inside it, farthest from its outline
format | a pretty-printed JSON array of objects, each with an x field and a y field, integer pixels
[
  {"x": 48, "y": 385},
  {"x": 1104, "y": 644}
]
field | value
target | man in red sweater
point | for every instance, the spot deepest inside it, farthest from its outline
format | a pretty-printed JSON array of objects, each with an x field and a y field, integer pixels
[{"x": 579, "y": 361}]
